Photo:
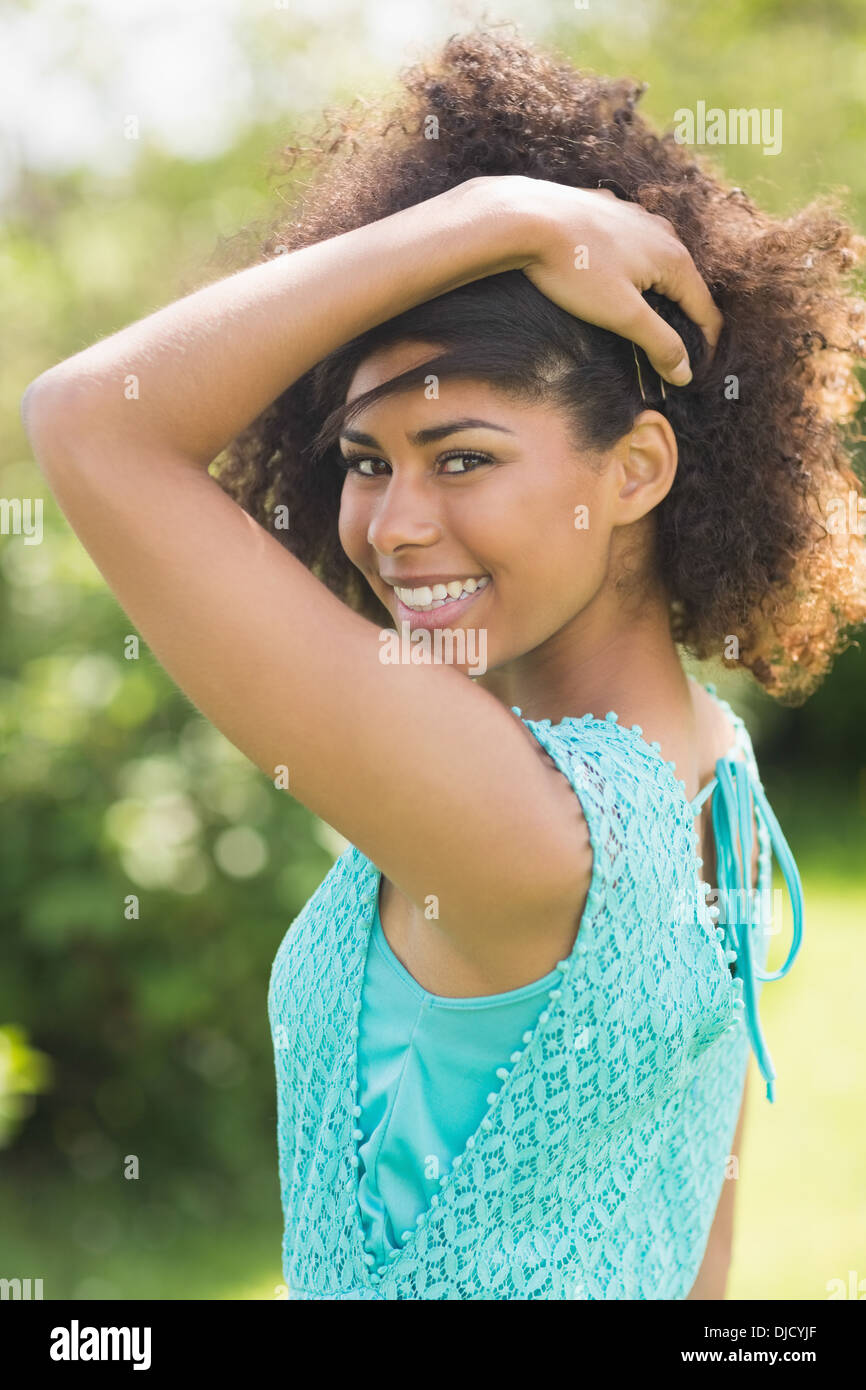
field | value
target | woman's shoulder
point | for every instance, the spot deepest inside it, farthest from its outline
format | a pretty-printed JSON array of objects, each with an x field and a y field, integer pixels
[
  {"x": 727, "y": 733},
  {"x": 619, "y": 778},
  {"x": 620, "y": 775}
]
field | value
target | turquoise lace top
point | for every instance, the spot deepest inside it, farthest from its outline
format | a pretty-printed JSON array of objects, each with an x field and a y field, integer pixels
[{"x": 596, "y": 1165}]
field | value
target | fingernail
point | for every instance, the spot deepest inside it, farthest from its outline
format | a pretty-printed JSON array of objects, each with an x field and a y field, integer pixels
[{"x": 682, "y": 373}]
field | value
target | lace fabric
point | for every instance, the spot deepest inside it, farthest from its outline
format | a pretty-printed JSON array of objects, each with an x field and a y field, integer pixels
[{"x": 597, "y": 1168}]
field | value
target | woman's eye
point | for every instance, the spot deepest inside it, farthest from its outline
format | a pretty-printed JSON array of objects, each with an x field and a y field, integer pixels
[
  {"x": 357, "y": 464},
  {"x": 474, "y": 459},
  {"x": 365, "y": 465}
]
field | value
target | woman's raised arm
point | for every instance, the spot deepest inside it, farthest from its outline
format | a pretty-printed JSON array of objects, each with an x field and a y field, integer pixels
[{"x": 206, "y": 366}]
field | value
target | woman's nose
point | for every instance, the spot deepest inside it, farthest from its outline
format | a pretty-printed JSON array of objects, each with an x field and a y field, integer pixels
[{"x": 406, "y": 514}]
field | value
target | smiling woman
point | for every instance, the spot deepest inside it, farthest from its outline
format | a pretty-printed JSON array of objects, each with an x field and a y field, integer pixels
[{"x": 510, "y": 1034}]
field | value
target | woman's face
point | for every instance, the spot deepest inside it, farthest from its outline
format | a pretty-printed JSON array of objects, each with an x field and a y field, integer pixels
[{"x": 506, "y": 501}]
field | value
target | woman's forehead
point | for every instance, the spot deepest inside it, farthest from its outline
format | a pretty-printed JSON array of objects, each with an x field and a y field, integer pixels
[{"x": 384, "y": 363}]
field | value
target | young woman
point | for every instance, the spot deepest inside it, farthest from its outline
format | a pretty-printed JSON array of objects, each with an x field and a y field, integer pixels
[{"x": 525, "y": 375}]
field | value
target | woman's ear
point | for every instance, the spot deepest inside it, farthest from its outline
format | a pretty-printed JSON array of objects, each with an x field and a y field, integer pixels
[{"x": 646, "y": 465}]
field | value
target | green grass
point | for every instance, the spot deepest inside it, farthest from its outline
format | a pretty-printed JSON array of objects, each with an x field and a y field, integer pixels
[
  {"x": 801, "y": 1200},
  {"x": 100, "y": 1240}
]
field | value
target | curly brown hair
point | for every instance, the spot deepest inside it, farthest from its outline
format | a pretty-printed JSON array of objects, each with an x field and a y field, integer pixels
[{"x": 744, "y": 540}]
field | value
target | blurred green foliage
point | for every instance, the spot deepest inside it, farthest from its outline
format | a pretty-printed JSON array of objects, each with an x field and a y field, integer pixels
[
  {"x": 23, "y": 1074},
  {"x": 149, "y": 872},
  {"x": 113, "y": 786}
]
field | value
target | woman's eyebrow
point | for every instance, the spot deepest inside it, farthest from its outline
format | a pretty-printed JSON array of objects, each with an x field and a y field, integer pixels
[{"x": 429, "y": 435}]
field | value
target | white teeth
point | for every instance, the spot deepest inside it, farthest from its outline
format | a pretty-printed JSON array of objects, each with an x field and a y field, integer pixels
[{"x": 425, "y": 599}]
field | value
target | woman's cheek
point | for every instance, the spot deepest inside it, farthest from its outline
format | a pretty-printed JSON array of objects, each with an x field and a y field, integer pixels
[{"x": 350, "y": 529}]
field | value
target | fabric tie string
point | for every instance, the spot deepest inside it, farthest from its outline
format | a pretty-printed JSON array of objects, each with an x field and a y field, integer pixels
[{"x": 732, "y": 826}]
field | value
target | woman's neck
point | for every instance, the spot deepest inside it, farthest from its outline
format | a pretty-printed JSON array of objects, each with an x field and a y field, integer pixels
[{"x": 607, "y": 658}]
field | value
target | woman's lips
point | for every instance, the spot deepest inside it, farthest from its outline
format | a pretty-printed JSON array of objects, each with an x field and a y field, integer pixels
[{"x": 446, "y": 616}]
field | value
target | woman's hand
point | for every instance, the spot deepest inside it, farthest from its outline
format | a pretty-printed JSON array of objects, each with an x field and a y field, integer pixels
[{"x": 595, "y": 254}]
